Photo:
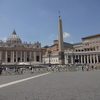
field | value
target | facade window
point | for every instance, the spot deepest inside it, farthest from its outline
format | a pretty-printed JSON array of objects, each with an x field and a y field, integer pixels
[
  {"x": 18, "y": 52},
  {"x": 8, "y": 52}
]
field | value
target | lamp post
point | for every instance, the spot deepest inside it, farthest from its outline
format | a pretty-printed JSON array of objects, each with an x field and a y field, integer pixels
[{"x": 49, "y": 52}]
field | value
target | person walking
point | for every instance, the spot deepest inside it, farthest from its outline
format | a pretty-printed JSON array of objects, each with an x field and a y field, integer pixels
[
  {"x": 6, "y": 69},
  {"x": 92, "y": 67},
  {"x": 82, "y": 68},
  {"x": 32, "y": 70}
]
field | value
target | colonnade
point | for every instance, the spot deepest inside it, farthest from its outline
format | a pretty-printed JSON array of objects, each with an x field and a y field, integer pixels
[
  {"x": 82, "y": 58},
  {"x": 20, "y": 56}
]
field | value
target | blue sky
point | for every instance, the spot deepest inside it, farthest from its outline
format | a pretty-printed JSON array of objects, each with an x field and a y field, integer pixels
[{"x": 37, "y": 20}]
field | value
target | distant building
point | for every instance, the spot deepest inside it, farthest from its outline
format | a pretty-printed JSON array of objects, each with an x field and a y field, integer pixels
[
  {"x": 14, "y": 50},
  {"x": 87, "y": 51}
]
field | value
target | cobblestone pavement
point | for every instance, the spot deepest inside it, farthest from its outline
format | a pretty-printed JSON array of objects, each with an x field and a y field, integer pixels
[{"x": 54, "y": 86}]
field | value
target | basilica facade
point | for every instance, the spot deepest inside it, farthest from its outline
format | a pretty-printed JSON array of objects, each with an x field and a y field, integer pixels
[
  {"x": 87, "y": 51},
  {"x": 14, "y": 50}
]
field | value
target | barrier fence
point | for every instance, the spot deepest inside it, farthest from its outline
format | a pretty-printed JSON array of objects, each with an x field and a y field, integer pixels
[{"x": 15, "y": 70}]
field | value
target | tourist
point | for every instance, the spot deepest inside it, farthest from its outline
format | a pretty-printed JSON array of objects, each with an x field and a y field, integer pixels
[
  {"x": 16, "y": 69},
  {"x": 82, "y": 68},
  {"x": 0, "y": 71},
  {"x": 87, "y": 68},
  {"x": 21, "y": 70},
  {"x": 95, "y": 67},
  {"x": 6, "y": 69},
  {"x": 92, "y": 67},
  {"x": 52, "y": 68}
]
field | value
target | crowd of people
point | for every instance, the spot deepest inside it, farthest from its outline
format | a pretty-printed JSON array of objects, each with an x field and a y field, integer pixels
[
  {"x": 88, "y": 68},
  {"x": 32, "y": 69}
]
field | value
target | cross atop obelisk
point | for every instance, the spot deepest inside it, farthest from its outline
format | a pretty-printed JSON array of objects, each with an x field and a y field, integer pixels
[
  {"x": 60, "y": 39},
  {"x": 59, "y": 14}
]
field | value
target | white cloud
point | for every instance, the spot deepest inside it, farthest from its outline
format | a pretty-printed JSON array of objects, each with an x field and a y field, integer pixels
[
  {"x": 3, "y": 39},
  {"x": 52, "y": 35},
  {"x": 71, "y": 42},
  {"x": 65, "y": 34}
]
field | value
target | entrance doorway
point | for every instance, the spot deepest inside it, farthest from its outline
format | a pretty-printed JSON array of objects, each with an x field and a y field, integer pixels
[
  {"x": 8, "y": 60},
  {"x": 27, "y": 59},
  {"x": 37, "y": 58},
  {"x": 18, "y": 59}
]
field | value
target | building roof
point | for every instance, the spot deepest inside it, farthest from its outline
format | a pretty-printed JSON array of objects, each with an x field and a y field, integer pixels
[
  {"x": 77, "y": 43},
  {"x": 91, "y": 36},
  {"x": 14, "y": 38}
]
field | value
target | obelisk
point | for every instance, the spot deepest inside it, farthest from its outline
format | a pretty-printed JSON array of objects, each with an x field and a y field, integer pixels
[{"x": 60, "y": 39}]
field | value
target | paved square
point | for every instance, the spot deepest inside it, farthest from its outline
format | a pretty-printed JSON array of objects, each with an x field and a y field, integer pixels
[{"x": 54, "y": 86}]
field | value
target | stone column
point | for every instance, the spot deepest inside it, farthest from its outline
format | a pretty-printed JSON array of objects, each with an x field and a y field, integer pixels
[
  {"x": 65, "y": 59},
  {"x": 24, "y": 56},
  {"x": 78, "y": 56},
  {"x": 84, "y": 59},
  {"x": 21, "y": 57},
  {"x": 5, "y": 56},
  {"x": 40, "y": 56},
  {"x": 72, "y": 59},
  {"x": 94, "y": 58},
  {"x": 97, "y": 58},
  {"x": 13, "y": 56},
  {"x": 75, "y": 56},
  {"x": 87, "y": 59},
  {"x": 35, "y": 56},
  {"x": 16, "y": 56},
  {"x": 90, "y": 58}
]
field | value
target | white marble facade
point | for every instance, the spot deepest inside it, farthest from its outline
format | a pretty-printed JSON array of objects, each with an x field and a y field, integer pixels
[{"x": 14, "y": 50}]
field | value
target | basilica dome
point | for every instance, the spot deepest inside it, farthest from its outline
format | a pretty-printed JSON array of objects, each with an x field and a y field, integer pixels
[{"x": 14, "y": 38}]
